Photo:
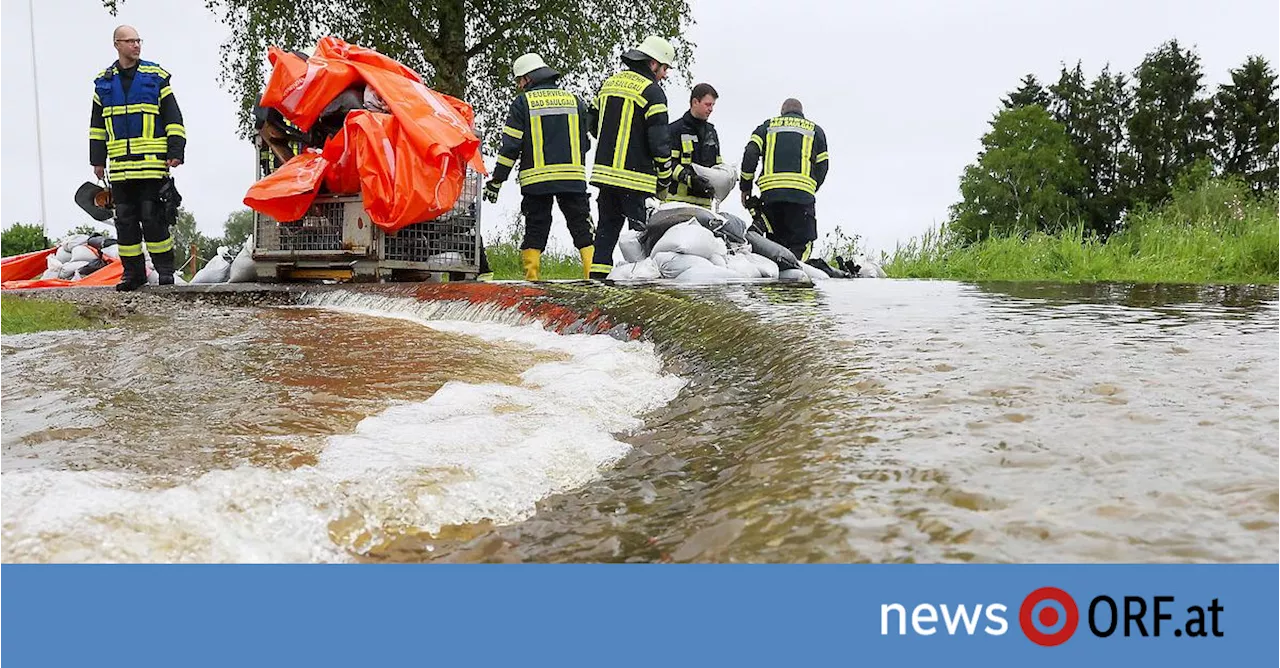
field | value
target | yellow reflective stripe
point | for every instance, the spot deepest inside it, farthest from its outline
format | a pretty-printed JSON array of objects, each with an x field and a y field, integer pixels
[
  {"x": 610, "y": 176},
  {"x": 138, "y": 176},
  {"x": 596, "y": 267},
  {"x": 176, "y": 130},
  {"x": 111, "y": 130},
  {"x": 771, "y": 147},
  {"x": 165, "y": 92},
  {"x": 747, "y": 176},
  {"x": 130, "y": 250},
  {"x": 682, "y": 197},
  {"x": 148, "y": 126},
  {"x": 821, "y": 157},
  {"x": 145, "y": 163},
  {"x": 806, "y": 154},
  {"x": 512, "y": 132},
  {"x": 535, "y": 133},
  {"x": 719, "y": 160},
  {"x": 97, "y": 100},
  {"x": 654, "y": 110},
  {"x": 140, "y": 108},
  {"x": 575, "y": 142},
  {"x": 755, "y": 139},
  {"x": 98, "y": 133},
  {"x": 509, "y": 162},
  {"x": 160, "y": 246},
  {"x": 788, "y": 180},
  {"x": 560, "y": 172},
  {"x": 687, "y": 155},
  {"x": 154, "y": 69},
  {"x": 624, "y": 136}
]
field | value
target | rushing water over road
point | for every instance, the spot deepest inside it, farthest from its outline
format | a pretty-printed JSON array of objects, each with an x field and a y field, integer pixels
[{"x": 858, "y": 421}]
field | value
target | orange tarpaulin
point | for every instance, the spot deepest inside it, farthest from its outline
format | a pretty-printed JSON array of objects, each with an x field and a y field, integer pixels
[
  {"x": 23, "y": 271},
  {"x": 410, "y": 164}
]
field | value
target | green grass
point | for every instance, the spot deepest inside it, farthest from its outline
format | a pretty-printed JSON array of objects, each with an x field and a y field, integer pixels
[
  {"x": 21, "y": 315},
  {"x": 1216, "y": 233},
  {"x": 504, "y": 258}
]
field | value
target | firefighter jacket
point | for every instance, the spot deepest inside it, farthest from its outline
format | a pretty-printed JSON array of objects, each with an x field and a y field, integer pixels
[
  {"x": 546, "y": 134},
  {"x": 794, "y": 152},
  {"x": 693, "y": 142},
  {"x": 634, "y": 149},
  {"x": 135, "y": 124}
]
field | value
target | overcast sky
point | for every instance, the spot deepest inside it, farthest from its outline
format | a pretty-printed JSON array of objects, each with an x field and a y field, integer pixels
[{"x": 904, "y": 89}]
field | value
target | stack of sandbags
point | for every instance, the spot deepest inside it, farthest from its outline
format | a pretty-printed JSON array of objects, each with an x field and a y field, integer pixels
[
  {"x": 79, "y": 255},
  {"x": 689, "y": 252}
]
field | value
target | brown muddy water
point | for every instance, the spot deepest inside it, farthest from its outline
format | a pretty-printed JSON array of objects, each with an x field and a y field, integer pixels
[{"x": 858, "y": 421}]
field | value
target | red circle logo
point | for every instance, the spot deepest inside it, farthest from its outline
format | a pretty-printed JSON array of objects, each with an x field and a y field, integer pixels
[{"x": 1048, "y": 616}]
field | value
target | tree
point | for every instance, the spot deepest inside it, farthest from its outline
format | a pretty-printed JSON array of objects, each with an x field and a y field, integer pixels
[
  {"x": 1022, "y": 179},
  {"x": 21, "y": 238},
  {"x": 1169, "y": 128},
  {"x": 462, "y": 48},
  {"x": 238, "y": 227},
  {"x": 1029, "y": 93},
  {"x": 1245, "y": 124},
  {"x": 93, "y": 228},
  {"x": 1111, "y": 105}
]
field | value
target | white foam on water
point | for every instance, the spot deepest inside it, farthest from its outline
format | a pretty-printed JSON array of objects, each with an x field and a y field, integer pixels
[{"x": 469, "y": 453}]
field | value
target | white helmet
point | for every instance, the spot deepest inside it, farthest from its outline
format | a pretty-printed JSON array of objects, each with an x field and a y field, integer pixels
[
  {"x": 526, "y": 64},
  {"x": 658, "y": 49}
]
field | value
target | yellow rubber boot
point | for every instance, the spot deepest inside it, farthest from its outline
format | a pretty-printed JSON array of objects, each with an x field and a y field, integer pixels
[
  {"x": 587, "y": 254},
  {"x": 531, "y": 260}
]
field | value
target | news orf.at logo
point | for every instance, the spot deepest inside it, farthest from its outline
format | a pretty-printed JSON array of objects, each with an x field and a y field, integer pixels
[{"x": 1049, "y": 617}]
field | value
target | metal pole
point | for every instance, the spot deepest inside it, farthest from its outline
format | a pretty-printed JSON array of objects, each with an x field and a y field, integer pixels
[{"x": 35, "y": 84}]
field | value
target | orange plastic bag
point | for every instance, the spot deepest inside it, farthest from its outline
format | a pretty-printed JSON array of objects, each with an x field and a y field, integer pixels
[
  {"x": 399, "y": 185},
  {"x": 288, "y": 192},
  {"x": 301, "y": 89},
  {"x": 27, "y": 265},
  {"x": 108, "y": 275},
  {"x": 342, "y": 177}
]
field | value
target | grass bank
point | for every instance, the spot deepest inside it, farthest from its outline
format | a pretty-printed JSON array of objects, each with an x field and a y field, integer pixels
[
  {"x": 22, "y": 315},
  {"x": 504, "y": 257},
  {"x": 1216, "y": 233}
]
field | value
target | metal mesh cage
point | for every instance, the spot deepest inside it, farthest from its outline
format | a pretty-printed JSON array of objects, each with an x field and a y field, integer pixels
[
  {"x": 447, "y": 241},
  {"x": 319, "y": 230}
]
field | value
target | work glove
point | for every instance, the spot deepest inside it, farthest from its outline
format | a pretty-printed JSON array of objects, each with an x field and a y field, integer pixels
[{"x": 491, "y": 191}]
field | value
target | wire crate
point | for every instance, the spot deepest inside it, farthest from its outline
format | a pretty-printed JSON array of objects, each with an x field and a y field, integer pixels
[{"x": 337, "y": 238}]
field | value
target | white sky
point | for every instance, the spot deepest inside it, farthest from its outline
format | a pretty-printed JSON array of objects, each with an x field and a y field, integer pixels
[{"x": 904, "y": 90}]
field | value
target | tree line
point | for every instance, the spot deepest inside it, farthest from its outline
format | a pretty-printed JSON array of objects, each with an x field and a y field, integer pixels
[{"x": 1085, "y": 152}]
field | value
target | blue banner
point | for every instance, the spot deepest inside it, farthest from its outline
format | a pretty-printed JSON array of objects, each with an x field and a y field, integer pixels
[{"x": 608, "y": 615}]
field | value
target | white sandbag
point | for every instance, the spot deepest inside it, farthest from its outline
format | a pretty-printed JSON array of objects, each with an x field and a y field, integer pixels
[
  {"x": 153, "y": 278},
  {"x": 723, "y": 178},
  {"x": 242, "y": 268},
  {"x": 85, "y": 253},
  {"x": 63, "y": 254},
  {"x": 52, "y": 263},
  {"x": 768, "y": 268},
  {"x": 673, "y": 264},
  {"x": 690, "y": 238},
  {"x": 704, "y": 275},
  {"x": 742, "y": 265},
  {"x": 719, "y": 260},
  {"x": 815, "y": 274},
  {"x": 69, "y": 269},
  {"x": 72, "y": 240},
  {"x": 621, "y": 272},
  {"x": 646, "y": 270},
  {"x": 178, "y": 279},
  {"x": 630, "y": 247},
  {"x": 217, "y": 270},
  {"x": 51, "y": 273},
  {"x": 869, "y": 269},
  {"x": 797, "y": 275},
  {"x": 111, "y": 251}
]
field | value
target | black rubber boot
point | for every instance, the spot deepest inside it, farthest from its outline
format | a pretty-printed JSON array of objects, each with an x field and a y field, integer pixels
[
  {"x": 163, "y": 262},
  {"x": 135, "y": 273}
]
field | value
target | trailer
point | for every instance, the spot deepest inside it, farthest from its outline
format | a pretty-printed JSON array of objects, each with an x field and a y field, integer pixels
[{"x": 337, "y": 241}]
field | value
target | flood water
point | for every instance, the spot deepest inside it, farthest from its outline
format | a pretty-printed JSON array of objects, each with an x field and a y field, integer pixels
[{"x": 880, "y": 421}]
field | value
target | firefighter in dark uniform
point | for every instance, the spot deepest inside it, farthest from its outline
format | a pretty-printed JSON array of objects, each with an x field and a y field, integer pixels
[
  {"x": 135, "y": 137},
  {"x": 694, "y": 142},
  {"x": 546, "y": 134},
  {"x": 633, "y": 154},
  {"x": 794, "y": 152}
]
